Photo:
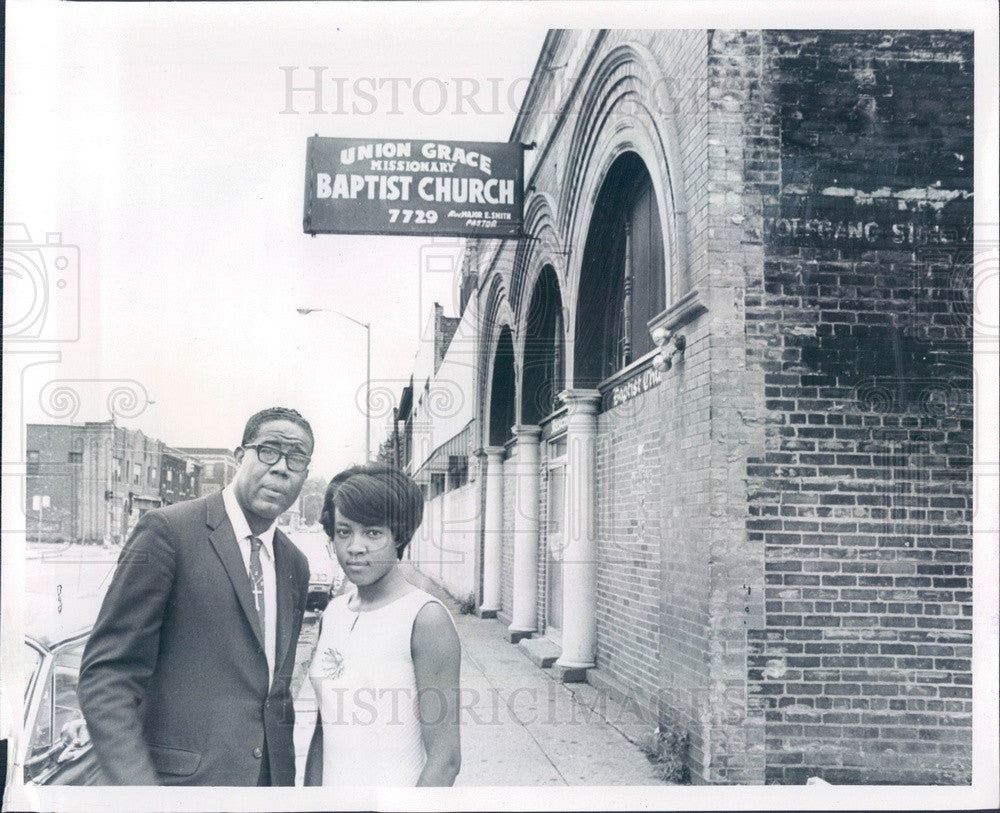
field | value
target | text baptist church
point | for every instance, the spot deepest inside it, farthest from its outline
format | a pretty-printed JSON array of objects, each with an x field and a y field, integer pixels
[{"x": 397, "y": 156}]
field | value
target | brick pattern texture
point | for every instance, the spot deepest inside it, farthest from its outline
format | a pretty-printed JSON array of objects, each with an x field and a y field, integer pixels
[{"x": 861, "y": 495}]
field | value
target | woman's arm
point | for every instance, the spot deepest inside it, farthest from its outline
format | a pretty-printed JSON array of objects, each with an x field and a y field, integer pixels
[
  {"x": 313, "y": 775},
  {"x": 436, "y": 662}
]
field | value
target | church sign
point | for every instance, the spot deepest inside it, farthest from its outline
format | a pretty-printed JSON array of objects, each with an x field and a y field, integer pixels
[{"x": 444, "y": 188}]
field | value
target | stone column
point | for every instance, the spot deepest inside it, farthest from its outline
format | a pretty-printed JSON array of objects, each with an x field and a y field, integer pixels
[
  {"x": 579, "y": 632},
  {"x": 492, "y": 532},
  {"x": 524, "y": 615}
]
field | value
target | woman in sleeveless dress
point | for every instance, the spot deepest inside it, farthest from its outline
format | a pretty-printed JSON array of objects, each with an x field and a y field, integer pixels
[{"x": 386, "y": 666}]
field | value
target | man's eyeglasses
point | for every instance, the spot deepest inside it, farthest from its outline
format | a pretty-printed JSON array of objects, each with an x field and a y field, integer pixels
[{"x": 268, "y": 455}]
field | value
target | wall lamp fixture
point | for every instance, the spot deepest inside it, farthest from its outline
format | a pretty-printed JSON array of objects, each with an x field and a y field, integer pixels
[{"x": 671, "y": 346}]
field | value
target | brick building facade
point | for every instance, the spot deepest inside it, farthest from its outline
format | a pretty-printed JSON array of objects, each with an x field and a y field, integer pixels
[
  {"x": 862, "y": 493},
  {"x": 724, "y": 394},
  {"x": 180, "y": 476},
  {"x": 100, "y": 478},
  {"x": 54, "y": 476},
  {"x": 218, "y": 467}
]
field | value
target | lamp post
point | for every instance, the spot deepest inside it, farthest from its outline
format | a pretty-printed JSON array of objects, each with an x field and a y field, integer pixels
[{"x": 368, "y": 367}]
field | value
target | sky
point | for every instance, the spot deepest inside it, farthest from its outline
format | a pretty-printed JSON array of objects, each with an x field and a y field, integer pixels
[{"x": 162, "y": 142}]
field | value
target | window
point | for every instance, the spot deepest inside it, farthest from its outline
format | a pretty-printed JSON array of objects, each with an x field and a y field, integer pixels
[
  {"x": 502, "y": 389},
  {"x": 623, "y": 278},
  {"x": 458, "y": 471},
  {"x": 41, "y": 737},
  {"x": 437, "y": 484},
  {"x": 32, "y": 461},
  {"x": 76, "y": 457},
  {"x": 170, "y": 475},
  {"x": 543, "y": 350},
  {"x": 34, "y": 658},
  {"x": 58, "y": 709}
]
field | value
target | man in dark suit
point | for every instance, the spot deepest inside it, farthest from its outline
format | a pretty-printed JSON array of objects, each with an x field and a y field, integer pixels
[{"x": 186, "y": 677}]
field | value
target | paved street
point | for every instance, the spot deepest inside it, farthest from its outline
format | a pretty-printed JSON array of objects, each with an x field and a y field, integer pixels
[{"x": 64, "y": 584}]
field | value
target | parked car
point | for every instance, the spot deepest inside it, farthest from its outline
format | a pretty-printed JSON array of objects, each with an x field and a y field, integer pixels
[
  {"x": 325, "y": 575},
  {"x": 56, "y": 748}
]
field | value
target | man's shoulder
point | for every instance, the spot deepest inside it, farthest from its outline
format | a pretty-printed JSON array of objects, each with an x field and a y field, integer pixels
[
  {"x": 182, "y": 515},
  {"x": 186, "y": 508}
]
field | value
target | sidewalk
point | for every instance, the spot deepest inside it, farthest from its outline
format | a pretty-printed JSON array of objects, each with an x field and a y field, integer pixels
[{"x": 519, "y": 726}]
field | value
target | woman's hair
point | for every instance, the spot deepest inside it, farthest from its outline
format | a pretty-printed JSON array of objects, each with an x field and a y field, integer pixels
[{"x": 375, "y": 494}]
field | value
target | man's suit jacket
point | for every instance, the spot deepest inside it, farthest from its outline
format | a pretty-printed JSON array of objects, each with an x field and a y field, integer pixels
[{"x": 174, "y": 680}]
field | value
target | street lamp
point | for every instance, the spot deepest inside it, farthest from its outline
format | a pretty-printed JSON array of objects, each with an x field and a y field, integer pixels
[{"x": 368, "y": 367}]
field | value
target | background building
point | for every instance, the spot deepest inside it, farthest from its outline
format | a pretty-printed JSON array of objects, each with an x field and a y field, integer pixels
[
  {"x": 723, "y": 397},
  {"x": 440, "y": 439},
  {"x": 218, "y": 467},
  {"x": 54, "y": 476},
  {"x": 180, "y": 477},
  {"x": 100, "y": 478},
  {"x": 91, "y": 482}
]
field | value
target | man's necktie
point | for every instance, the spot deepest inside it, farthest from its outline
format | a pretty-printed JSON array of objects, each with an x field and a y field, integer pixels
[{"x": 257, "y": 579}]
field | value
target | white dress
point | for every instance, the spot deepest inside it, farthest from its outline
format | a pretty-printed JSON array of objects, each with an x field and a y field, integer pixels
[{"x": 365, "y": 686}]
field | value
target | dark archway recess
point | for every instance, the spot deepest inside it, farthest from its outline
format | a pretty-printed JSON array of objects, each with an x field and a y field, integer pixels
[
  {"x": 615, "y": 304},
  {"x": 543, "y": 377},
  {"x": 502, "y": 389}
]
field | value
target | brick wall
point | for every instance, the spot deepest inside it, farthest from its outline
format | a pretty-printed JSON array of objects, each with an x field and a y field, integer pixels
[
  {"x": 629, "y": 532},
  {"x": 457, "y": 535},
  {"x": 672, "y": 566},
  {"x": 739, "y": 127},
  {"x": 860, "y": 326}
]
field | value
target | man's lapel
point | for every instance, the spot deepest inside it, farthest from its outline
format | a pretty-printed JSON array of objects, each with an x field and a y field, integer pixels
[
  {"x": 226, "y": 547},
  {"x": 288, "y": 594}
]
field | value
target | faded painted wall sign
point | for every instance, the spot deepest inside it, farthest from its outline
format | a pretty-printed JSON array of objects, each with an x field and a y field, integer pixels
[{"x": 880, "y": 219}]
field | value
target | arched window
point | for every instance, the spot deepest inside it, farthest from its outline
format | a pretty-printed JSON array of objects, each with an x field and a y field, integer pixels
[
  {"x": 502, "y": 404},
  {"x": 543, "y": 350},
  {"x": 622, "y": 281}
]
